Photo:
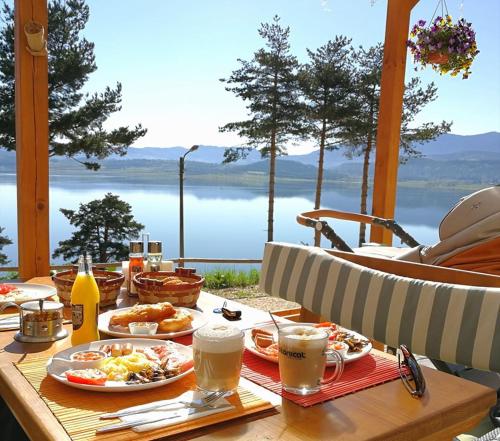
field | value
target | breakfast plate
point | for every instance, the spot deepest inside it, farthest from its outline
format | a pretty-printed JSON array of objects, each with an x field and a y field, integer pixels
[
  {"x": 24, "y": 292},
  {"x": 349, "y": 357},
  {"x": 67, "y": 366},
  {"x": 104, "y": 325}
]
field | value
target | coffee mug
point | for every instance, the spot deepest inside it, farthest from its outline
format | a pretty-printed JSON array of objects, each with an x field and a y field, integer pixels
[
  {"x": 302, "y": 355},
  {"x": 217, "y": 354}
]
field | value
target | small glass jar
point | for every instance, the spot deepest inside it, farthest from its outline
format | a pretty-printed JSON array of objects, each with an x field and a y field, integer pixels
[
  {"x": 135, "y": 265},
  {"x": 154, "y": 255}
]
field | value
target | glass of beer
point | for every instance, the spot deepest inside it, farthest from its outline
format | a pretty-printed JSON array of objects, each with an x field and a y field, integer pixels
[
  {"x": 217, "y": 353},
  {"x": 302, "y": 359}
]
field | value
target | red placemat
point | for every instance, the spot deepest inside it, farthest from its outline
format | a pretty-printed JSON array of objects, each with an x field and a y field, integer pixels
[{"x": 361, "y": 374}]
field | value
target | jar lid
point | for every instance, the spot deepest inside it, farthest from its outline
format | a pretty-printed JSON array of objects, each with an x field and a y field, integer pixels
[
  {"x": 46, "y": 306},
  {"x": 154, "y": 246},
  {"x": 136, "y": 247}
]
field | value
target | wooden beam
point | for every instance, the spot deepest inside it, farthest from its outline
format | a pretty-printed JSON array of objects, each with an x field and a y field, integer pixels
[
  {"x": 389, "y": 122},
  {"x": 32, "y": 139},
  {"x": 420, "y": 270}
]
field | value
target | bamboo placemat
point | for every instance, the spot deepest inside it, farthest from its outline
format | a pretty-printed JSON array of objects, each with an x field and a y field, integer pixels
[{"x": 78, "y": 410}]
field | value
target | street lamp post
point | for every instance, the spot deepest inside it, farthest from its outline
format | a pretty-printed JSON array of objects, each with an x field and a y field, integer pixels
[{"x": 181, "y": 203}]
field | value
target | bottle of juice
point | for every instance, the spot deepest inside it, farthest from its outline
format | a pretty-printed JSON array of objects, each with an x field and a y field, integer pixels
[{"x": 84, "y": 304}]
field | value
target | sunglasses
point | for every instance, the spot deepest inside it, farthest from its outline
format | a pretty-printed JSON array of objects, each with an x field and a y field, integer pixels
[
  {"x": 227, "y": 313},
  {"x": 410, "y": 372}
]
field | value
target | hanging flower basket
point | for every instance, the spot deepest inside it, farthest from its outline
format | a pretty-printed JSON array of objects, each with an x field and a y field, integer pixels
[{"x": 447, "y": 47}]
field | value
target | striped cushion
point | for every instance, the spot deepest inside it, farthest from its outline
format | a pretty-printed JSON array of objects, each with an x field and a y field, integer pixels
[{"x": 453, "y": 323}]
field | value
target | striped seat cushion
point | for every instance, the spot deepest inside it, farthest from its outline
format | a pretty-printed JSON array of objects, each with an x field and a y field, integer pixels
[{"x": 454, "y": 323}]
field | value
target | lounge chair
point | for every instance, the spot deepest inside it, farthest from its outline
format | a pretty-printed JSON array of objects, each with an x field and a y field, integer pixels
[{"x": 469, "y": 235}]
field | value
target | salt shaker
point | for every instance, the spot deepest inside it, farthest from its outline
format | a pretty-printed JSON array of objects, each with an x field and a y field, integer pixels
[{"x": 154, "y": 255}]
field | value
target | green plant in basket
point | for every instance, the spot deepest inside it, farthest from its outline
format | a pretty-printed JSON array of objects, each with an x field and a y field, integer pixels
[{"x": 448, "y": 47}]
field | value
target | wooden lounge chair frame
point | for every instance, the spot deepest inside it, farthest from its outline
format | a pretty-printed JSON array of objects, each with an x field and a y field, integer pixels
[{"x": 312, "y": 219}]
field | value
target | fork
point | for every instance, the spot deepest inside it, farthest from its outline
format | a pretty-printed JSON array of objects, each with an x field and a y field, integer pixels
[
  {"x": 196, "y": 404},
  {"x": 206, "y": 401}
]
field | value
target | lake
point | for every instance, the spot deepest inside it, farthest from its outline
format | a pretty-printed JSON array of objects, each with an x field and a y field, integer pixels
[{"x": 226, "y": 222}]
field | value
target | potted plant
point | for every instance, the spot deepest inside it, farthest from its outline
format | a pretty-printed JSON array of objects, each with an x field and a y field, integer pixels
[{"x": 448, "y": 47}]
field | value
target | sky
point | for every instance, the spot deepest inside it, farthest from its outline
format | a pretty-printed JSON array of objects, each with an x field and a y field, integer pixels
[{"x": 170, "y": 54}]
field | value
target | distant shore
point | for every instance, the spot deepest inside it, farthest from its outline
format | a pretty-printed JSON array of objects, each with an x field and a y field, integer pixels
[{"x": 145, "y": 177}]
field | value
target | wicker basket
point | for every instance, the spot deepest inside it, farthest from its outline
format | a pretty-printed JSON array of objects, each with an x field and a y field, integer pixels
[
  {"x": 151, "y": 288},
  {"x": 108, "y": 282}
]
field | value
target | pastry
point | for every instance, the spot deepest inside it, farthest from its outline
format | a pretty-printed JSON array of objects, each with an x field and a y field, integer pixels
[
  {"x": 180, "y": 321},
  {"x": 143, "y": 313}
]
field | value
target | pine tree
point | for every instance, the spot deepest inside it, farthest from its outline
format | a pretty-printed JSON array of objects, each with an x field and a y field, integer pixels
[
  {"x": 75, "y": 118},
  {"x": 4, "y": 240},
  {"x": 327, "y": 85},
  {"x": 102, "y": 227},
  {"x": 269, "y": 84},
  {"x": 360, "y": 133}
]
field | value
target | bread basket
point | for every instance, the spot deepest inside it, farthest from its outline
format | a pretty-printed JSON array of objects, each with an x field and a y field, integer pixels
[
  {"x": 181, "y": 287},
  {"x": 108, "y": 282}
]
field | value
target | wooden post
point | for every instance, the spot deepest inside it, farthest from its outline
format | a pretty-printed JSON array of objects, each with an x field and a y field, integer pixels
[
  {"x": 32, "y": 145},
  {"x": 389, "y": 121}
]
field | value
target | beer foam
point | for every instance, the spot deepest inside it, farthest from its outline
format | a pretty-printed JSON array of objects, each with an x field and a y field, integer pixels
[
  {"x": 218, "y": 338},
  {"x": 303, "y": 335}
]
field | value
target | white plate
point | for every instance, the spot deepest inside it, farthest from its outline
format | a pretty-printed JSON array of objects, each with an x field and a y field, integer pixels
[
  {"x": 56, "y": 370},
  {"x": 349, "y": 358},
  {"x": 199, "y": 320},
  {"x": 29, "y": 292}
]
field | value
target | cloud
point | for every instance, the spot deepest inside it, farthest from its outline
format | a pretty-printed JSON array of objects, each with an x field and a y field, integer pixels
[{"x": 325, "y": 5}]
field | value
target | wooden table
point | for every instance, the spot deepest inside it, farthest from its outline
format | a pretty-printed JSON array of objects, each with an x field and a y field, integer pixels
[{"x": 386, "y": 412}]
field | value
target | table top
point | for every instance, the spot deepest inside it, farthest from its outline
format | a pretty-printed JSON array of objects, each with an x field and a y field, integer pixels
[{"x": 386, "y": 412}]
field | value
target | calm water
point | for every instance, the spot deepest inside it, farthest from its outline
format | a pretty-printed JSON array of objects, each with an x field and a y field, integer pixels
[{"x": 227, "y": 222}]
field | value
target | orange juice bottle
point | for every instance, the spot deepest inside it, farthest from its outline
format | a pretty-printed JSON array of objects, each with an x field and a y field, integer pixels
[{"x": 84, "y": 304}]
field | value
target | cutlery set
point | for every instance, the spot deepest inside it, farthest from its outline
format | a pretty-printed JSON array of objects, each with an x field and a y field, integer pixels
[{"x": 195, "y": 406}]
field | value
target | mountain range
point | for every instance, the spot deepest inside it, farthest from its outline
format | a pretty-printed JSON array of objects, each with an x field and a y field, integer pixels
[
  {"x": 446, "y": 147},
  {"x": 473, "y": 159}
]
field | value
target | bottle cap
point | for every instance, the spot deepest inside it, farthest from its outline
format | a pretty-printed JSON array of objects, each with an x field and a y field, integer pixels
[
  {"x": 136, "y": 247},
  {"x": 154, "y": 246}
]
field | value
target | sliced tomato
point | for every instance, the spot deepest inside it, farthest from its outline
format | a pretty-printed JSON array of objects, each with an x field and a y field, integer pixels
[
  {"x": 323, "y": 325},
  {"x": 178, "y": 361},
  {"x": 94, "y": 377},
  {"x": 5, "y": 289}
]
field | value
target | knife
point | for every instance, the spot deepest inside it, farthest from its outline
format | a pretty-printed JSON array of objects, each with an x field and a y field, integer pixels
[
  {"x": 141, "y": 409},
  {"x": 129, "y": 424}
]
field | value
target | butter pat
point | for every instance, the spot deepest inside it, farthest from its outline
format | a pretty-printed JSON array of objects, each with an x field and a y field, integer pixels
[{"x": 143, "y": 328}]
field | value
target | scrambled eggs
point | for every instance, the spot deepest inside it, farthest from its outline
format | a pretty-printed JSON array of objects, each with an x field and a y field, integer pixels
[{"x": 118, "y": 368}]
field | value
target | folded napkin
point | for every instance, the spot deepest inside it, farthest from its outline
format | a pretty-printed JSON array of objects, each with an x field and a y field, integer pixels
[
  {"x": 8, "y": 323},
  {"x": 175, "y": 414}
]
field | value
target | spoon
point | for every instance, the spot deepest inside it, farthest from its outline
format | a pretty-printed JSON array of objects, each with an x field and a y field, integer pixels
[{"x": 274, "y": 321}]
